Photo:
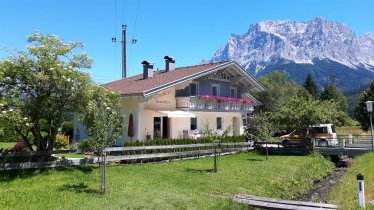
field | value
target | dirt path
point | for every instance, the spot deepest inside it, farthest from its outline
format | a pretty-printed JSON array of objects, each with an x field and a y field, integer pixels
[{"x": 320, "y": 191}]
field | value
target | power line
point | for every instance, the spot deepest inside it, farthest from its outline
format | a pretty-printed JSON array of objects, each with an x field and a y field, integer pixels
[{"x": 133, "y": 33}]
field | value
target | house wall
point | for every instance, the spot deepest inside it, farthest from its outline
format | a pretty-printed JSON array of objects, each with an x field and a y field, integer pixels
[
  {"x": 80, "y": 130},
  {"x": 210, "y": 118}
]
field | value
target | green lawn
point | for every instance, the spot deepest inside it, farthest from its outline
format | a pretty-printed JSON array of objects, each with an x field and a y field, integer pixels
[
  {"x": 345, "y": 193},
  {"x": 73, "y": 155},
  {"x": 187, "y": 184},
  {"x": 7, "y": 145},
  {"x": 354, "y": 130}
]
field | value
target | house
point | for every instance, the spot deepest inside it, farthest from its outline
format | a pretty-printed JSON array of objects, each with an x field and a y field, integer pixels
[{"x": 178, "y": 102}]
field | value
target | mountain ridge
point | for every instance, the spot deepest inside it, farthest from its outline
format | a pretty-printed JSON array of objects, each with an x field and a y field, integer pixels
[{"x": 286, "y": 45}]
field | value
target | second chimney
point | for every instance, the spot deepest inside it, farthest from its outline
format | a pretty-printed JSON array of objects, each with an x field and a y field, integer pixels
[
  {"x": 147, "y": 69},
  {"x": 169, "y": 63}
]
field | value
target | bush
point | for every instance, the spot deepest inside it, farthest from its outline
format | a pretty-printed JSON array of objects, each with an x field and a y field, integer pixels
[
  {"x": 20, "y": 147},
  {"x": 61, "y": 141},
  {"x": 160, "y": 142},
  {"x": 87, "y": 145}
]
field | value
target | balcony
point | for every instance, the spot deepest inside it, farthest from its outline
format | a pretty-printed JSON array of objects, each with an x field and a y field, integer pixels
[{"x": 209, "y": 103}]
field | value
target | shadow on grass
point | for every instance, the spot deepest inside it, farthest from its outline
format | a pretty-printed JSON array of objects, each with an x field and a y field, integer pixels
[
  {"x": 78, "y": 188},
  {"x": 199, "y": 171},
  {"x": 254, "y": 159},
  {"x": 8, "y": 176}
]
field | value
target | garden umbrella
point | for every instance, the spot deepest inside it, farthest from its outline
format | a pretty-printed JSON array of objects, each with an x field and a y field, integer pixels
[{"x": 130, "y": 131}]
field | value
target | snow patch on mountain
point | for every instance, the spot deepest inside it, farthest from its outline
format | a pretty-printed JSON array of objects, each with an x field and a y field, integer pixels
[{"x": 268, "y": 42}]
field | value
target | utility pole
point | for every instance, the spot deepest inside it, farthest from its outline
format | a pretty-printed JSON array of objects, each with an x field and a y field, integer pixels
[
  {"x": 124, "y": 51},
  {"x": 124, "y": 55}
]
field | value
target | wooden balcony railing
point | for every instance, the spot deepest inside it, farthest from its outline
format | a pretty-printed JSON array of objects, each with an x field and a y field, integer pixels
[{"x": 194, "y": 103}]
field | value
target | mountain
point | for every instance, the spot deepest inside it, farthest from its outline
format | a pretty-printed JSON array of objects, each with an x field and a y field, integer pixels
[{"x": 324, "y": 48}]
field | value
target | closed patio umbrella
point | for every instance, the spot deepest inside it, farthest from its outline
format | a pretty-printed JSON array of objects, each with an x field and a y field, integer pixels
[{"x": 130, "y": 131}]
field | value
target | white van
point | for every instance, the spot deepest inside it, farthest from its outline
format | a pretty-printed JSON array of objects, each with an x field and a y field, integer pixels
[{"x": 324, "y": 134}]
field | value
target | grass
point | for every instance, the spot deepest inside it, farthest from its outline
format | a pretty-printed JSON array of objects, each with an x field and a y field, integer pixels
[
  {"x": 345, "y": 193},
  {"x": 73, "y": 155},
  {"x": 187, "y": 184},
  {"x": 346, "y": 130},
  {"x": 7, "y": 145}
]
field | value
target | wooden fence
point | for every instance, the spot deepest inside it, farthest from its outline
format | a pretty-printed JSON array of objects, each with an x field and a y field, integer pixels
[
  {"x": 275, "y": 203},
  {"x": 126, "y": 154}
]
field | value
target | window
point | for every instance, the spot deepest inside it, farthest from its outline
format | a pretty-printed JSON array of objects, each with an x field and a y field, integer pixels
[
  {"x": 215, "y": 90},
  {"x": 193, "y": 89},
  {"x": 244, "y": 118},
  {"x": 233, "y": 92},
  {"x": 193, "y": 125},
  {"x": 219, "y": 123}
]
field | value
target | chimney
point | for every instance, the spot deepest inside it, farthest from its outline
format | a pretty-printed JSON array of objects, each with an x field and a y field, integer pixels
[
  {"x": 169, "y": 63},
  {"x": 147, "y": 69}
]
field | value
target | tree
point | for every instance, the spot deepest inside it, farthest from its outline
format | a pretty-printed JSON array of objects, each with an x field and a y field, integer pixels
[
  {"x": 311, "y": 86},
  {"x": 302, "y": 110},
  {"x": 260, "y": 129},
  {"x": 331, "y": 92},
  {"x": 105, "y": 121},
  {"x": 278, "y": 88},
  {"x": 216, "y": 139},
  {"x": 40, "y": 86},
  {"x": 104, "y": 118},
  {"x": 360, "y": 112}
]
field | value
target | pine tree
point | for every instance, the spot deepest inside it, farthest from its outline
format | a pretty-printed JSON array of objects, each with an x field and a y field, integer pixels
[
  {"x": 331, "y": 92},
  {"x": 360, "y": 113},
  {"x": 311, "y": 86}
]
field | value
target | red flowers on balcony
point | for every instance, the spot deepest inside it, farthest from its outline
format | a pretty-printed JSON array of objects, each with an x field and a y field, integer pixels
[{"x": 224, "y": 99}]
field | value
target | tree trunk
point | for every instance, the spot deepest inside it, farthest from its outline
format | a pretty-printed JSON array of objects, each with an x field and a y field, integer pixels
[
  {"x": 267, "y": 151},
  {"x": 215, "y": 160},
  {"x": 103, "y": 172}
]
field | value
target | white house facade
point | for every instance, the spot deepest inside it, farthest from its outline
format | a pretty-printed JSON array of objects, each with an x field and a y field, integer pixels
[{"x": 179, "y": 102}]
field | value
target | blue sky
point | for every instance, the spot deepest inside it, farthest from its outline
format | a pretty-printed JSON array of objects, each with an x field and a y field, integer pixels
[{"x": 188, "y": 30}]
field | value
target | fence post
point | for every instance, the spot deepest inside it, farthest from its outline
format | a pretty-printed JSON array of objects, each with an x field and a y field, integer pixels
[
  {"x": 361, "y": 190},
  {"x": 343, "y": 143},
  {"x": 350, "y": 138}
]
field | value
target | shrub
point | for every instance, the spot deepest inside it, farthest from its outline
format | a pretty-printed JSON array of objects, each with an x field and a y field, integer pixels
[
  {"x": 87, "y": 145},
  {"x": 160, "y": 142},
  {"x": 61, "y": 141},
  {"x": 21, "y": 147}
]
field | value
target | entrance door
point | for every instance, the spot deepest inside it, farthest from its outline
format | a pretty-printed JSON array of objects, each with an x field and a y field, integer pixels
[
  {"x": 165, "y": 127},
  {"x": 156, "y": 127}
]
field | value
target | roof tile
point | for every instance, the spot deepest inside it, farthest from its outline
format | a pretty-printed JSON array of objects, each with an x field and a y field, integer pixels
[{"x": 137, "y": 85}]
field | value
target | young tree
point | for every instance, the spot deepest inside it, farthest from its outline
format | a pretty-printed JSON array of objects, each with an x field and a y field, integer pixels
[
  {"x": 41, "y": 86},
  {"x": 360, "y": 111},
  {"x": 104, "y": 118},
  {"x": 216, "y": 139},
  {"x": 311, "y": 86},
  {"x": 260, "y": 129},
  {"x": 331, "y": 92},
  {"x": 105, "y": 121}
]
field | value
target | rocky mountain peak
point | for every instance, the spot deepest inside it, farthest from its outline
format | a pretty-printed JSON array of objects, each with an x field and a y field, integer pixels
[{"x": 270, "y": 43}]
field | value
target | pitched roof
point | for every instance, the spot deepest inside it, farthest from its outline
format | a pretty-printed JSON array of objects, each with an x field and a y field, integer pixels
[{"x": 136, "y": 85}]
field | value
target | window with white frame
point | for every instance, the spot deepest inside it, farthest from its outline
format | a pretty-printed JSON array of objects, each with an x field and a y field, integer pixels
[
  {"x": 215, "y": 90},
  {"x": 233, "y": 92},
  {"x": 219, "y": 123}
]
